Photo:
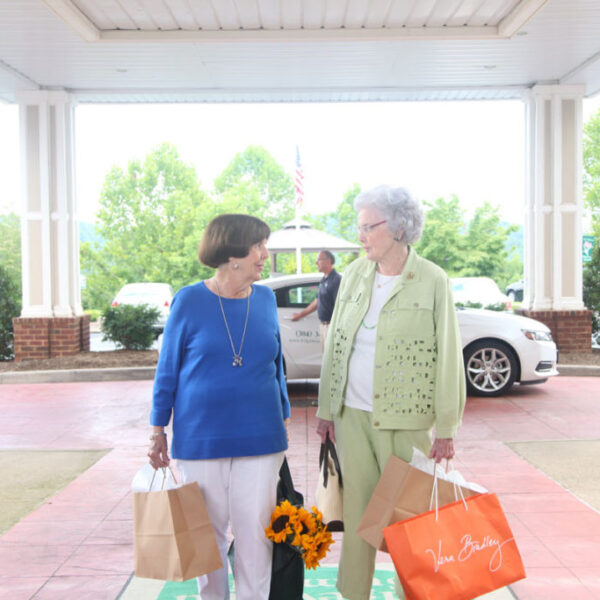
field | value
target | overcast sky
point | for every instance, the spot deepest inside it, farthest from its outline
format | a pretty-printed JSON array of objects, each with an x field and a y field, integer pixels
[{"x": 471, "y": 149}]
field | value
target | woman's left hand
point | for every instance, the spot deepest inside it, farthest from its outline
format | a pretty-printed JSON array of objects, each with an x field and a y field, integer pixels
[
  {"x": 442, "y": 448},
  {"x": 286, "y": 422}
]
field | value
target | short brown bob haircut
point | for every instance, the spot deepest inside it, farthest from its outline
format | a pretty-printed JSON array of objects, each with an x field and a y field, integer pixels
[{"x": 230, "y": 236}]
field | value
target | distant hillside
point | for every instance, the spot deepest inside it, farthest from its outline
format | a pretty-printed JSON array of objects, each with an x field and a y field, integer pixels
[{"x": 87, "y": 233}]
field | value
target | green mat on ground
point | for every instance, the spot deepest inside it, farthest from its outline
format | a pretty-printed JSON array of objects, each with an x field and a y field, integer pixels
[{"x": 318, "y": 585}]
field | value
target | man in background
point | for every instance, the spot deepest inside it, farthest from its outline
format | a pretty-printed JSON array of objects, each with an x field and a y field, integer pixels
[{"x": 325, "y": 300}]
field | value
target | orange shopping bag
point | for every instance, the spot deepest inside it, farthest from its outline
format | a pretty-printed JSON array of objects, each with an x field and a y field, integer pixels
[{"x": 458, "y": 552}]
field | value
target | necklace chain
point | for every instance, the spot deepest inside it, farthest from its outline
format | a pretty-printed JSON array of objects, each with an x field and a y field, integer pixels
[
  {"x": 368, "y": 326},
  {"x": 237, "y": 356}
]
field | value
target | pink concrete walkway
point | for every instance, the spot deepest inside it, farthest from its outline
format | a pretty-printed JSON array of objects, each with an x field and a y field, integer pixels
[{"x": 79, "y": 545}]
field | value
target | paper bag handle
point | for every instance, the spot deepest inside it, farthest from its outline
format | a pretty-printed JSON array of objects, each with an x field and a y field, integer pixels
[
  {"x": 164, "y": 471},
  {"x": 434, "y": 492}
]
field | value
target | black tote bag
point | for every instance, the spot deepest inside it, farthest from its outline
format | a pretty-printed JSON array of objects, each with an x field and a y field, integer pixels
[{"x": 287, "y": 571}]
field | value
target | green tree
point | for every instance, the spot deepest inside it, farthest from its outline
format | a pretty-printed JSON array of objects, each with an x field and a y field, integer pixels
[
  {"x": 591, "y": 174},
  {"x": 442, "y": 241},
  {"x": 485, "y": 246},
  {"x": 151, "y": 218},
  {"x": 10, "y": 307},
  {"x": 475, "y": 248},
  {"x": 591, "y": 191},
  {"x": 341, "y": 222},
  {"x": 286, "y": 262},
  {"x": 10, "y": 281},
  {"x": 254, "y": 182},
  {"x": 10, "y": 247},
  {"x": 591, "y": 285}
]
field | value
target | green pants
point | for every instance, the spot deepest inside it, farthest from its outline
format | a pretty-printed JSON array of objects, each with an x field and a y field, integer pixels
[{"x": 363, "y": 452}]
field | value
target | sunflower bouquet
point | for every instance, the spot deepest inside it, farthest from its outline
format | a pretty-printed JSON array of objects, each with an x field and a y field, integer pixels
[{"x": 302, "y": 530}]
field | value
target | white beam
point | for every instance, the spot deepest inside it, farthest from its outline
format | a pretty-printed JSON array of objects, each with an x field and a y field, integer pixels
[
  {"x": 301, "y": 35},
  {"x": 518, "y": 17},
  {"x": 74, "y": 18}
]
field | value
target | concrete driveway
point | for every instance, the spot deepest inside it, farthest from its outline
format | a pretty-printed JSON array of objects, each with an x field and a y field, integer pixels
[{"x": 537, "y": 448}]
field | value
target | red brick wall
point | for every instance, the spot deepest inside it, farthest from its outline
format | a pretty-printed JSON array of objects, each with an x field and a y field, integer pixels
[
  {"x": 38, "y": 338},
  {"x": 31, "y": 338},
  {"x": 571, "y": 329},
  {"x": 65, "y": 336}
]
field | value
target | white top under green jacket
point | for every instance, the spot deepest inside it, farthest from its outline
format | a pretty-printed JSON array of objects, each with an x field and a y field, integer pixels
[{"x": 418, "y": 373}]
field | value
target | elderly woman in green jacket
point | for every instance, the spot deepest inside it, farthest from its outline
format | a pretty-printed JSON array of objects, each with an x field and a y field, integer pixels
[{"x": 392, "y": 369}]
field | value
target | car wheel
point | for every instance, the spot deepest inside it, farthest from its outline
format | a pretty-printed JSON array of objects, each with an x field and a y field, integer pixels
[{"x": 490, "y": 368}]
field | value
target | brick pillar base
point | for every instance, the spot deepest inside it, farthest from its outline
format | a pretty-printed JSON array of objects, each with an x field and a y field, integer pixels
[
  {"x": 571, "y": 329},
  {"x": 85, "y": 332},
  {"x": 46, "y": 337}
]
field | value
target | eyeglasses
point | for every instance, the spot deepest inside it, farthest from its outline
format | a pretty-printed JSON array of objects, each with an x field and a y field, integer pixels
[{"x": 366, "y": 229}]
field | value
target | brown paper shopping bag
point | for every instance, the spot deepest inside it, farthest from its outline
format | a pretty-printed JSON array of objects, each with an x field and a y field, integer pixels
[
  {"x": 174, "y": 539},
  {"x": 402, "y": 492}
]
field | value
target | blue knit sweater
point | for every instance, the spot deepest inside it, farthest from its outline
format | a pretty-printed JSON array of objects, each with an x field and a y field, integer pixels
[{"x": 220, "y": 410}]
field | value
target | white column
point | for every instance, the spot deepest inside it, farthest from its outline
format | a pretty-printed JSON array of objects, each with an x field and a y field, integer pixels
[
  {"x": 49, "y": 228},
  {"x": 553, "y": 214}
]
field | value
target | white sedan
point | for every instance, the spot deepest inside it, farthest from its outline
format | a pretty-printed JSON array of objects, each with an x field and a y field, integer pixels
[{"x": 499, "y": 348}]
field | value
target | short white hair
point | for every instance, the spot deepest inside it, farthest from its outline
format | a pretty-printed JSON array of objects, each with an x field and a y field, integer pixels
[{"x": 402, "y": 211}]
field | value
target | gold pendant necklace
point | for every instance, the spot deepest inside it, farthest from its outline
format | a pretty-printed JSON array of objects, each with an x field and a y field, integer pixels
[{"x": 237, "y": 356}]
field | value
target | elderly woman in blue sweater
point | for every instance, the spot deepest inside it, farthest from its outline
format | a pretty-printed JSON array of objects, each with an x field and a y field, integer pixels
[{"x": 220, "y": 379}]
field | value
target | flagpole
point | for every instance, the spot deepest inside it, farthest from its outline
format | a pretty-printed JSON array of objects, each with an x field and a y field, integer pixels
[{"x": 298, "y": 249}]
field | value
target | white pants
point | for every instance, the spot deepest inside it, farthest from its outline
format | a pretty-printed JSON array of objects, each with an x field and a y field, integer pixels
[{"x": 241, "y": 491}]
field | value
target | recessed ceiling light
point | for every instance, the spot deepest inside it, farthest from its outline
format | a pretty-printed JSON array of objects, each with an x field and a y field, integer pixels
[
  {"x": 121, "y": 70},
  {"x": 489, "y": 67}
]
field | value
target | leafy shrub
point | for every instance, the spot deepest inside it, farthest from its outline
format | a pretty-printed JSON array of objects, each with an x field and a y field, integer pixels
[
  {"x": 10, "y": 307},
  {"x": 129, "y": 326}
]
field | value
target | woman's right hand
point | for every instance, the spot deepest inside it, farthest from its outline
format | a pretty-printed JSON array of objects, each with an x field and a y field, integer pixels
[
  {"x": 324, "y": 427},
  {"x": 159, "y": 451}
]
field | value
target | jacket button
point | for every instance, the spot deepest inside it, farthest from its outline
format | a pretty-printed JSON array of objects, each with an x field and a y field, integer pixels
[
  {"x": 376, "y": 395},
  {"x": 376, "y": 423}
]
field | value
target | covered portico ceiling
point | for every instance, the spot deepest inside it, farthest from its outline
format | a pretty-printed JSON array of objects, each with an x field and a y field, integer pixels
[{"x": 296, "y": 50}]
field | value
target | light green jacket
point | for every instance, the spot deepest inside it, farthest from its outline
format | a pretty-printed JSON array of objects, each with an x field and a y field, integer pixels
[{"x": 418, "y": 376}]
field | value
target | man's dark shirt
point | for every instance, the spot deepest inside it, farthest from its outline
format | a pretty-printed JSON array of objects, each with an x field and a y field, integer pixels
[{"x": 328, "y": 289}]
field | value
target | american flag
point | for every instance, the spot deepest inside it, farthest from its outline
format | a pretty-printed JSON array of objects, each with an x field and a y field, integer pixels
[{"x": 299, "y": 180}]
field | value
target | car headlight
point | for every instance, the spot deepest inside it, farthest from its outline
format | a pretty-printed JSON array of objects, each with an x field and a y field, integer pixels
[{"x": 537, "y": 336}]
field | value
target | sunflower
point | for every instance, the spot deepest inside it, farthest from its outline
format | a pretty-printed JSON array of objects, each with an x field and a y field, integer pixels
[
  {"x": 301, "y": 529},
  {"x": 283, "y": 522},
  {"x": 316, "y": 548},
  {"x": 304, "y": 527}
]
